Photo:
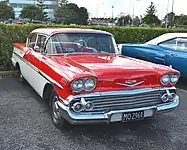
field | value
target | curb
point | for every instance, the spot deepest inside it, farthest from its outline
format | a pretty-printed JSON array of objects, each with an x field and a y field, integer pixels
[{"x": 8, "y": 73}]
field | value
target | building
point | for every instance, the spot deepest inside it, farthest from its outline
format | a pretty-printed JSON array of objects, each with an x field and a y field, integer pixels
[
  {"x": 102, "y": 21},
  {"x": 19, "y": 4}
]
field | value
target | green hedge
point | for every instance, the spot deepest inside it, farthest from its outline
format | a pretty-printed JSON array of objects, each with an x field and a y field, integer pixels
[{"x": 18, "y": 33}]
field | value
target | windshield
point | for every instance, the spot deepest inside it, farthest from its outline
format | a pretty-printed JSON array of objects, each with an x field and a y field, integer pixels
[{"x": 81, "y": 43}]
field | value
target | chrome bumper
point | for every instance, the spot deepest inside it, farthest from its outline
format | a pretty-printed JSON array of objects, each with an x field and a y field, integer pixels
[{"x": 89, "y": 118}]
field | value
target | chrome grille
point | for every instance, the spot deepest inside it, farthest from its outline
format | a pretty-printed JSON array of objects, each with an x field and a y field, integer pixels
[{"x": 118, "y": 102}]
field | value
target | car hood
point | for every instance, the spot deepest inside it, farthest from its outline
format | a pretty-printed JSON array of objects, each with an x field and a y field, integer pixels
[{"x": 111, "y": 70}]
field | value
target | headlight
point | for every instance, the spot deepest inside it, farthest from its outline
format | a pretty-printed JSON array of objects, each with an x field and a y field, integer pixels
[
  {"x": 86, "y": 84},
  {"x": 77, "y": 85},
  {"x": 165, "y": 79},
  {"x": 89, "y": 84},
  {"x": 174, "y": 78}
]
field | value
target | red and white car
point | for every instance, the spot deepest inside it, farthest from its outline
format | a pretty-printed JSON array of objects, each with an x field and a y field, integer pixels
[{"x": 85, "y": 80}]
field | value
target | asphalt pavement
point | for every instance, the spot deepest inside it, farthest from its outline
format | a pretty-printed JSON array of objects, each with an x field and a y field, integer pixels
[{"x": 25, "y": 124}]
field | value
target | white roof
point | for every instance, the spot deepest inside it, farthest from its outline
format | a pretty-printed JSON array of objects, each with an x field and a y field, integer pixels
[{"x": 166, "y": 37}]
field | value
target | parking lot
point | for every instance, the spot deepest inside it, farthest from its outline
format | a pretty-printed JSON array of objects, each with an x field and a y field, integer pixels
[{"x": 26, "y": 124}]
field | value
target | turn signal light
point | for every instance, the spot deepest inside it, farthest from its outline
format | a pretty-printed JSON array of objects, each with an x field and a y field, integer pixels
[{"x": 82, "y": 105}]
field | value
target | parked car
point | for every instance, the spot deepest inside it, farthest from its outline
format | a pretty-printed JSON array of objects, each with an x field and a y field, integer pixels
[
  {"x": 168, "y": 49},
  {"x": 19, "y": 22},
  {"x": 81, "y": 75}
]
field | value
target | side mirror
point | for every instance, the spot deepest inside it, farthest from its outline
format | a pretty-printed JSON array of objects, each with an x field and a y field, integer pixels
[
  {"x": 119, "y": 46},
  {"x": 37, "y": 48}
]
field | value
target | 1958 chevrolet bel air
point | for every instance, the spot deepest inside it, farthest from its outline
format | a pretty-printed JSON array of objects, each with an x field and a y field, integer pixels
[{"x": 85, "y": 80}]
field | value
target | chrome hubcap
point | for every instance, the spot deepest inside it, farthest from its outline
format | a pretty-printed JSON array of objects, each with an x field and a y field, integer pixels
[
  {"x": 21, "y": 77},
  {"x": 55, "y": 108}
]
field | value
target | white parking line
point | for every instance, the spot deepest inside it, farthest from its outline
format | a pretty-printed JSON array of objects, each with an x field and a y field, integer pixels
[{"x": 182, "y": 90}]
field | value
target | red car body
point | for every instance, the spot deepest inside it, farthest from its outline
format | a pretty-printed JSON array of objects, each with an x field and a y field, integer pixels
[{"x": 118, "y": 79}]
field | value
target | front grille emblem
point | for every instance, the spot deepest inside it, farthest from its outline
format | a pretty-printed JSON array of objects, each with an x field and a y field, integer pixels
[{"x": 130, "y": 83}]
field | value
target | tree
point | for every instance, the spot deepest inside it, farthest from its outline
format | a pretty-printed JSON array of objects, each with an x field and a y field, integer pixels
[
  {"x": 67, "y": 14},
  {"x": 71, "y": 14},
  {"x": 180, "y": 20},
  {"x": 32, "y": 12},
  {"x": 42, "y": 6},
  {"x": 4, "y": 2},
  {"x": 6, "y": 12},
  {"x": 169, "y": 18},
  {"x": 136, "y": 21},
  {"x": 150, "y": 18},
  {"x": 124, "y": 20},
  {"x": 62, "y": 3},
  {"x": 40, "y": 3},
  {"x": 151, "y": 9},
  {"x": 83, "y": 16}
]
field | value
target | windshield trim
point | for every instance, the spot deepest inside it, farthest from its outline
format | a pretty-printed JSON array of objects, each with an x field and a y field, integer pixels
[{"x": 113, "y": 41}]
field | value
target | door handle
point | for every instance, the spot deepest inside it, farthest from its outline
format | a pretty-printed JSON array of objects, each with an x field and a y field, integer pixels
[{"x": 173, "y": 55}]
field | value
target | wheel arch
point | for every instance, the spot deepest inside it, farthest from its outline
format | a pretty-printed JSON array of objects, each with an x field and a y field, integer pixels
[
  {"x": 48, "y": 88},
  {"x": 18, "y": 66}
]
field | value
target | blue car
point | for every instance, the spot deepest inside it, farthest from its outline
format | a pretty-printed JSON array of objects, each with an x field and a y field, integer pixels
[{"x": 168, "y": 49}]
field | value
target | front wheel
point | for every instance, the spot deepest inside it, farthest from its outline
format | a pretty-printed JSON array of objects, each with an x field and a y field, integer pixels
[{"x": 57, "y": 120}]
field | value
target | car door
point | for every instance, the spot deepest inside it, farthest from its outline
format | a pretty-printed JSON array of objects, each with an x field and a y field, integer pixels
[
  {"x": 34, "y": 58},
  {"x": 38, "y": 62},
  {"x": 30, "y": 70},
  {"x": 177, "y": 54}
]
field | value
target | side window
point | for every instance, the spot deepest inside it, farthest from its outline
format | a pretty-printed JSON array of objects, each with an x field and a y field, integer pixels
[
  {"x": 169, "y": 44},
  {"x": 32, "y": 40},
  {"x": 182, "y": 44},
  {"x": 41, "y": 42}
]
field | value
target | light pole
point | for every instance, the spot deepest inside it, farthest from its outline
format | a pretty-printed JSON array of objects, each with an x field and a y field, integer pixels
[
  {"x": 97, "y": 9},
  {"x": 167, "y": 16},
  {"x": 134, "y": 1},
  {"x": 112, "y": 15},
  {"x": 172, "y": 13},
  {"x": 172, "y": 5},
  {"x": 133, "y": 14}
]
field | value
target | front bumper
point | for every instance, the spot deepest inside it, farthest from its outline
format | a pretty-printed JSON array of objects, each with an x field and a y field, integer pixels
[{"x": 112, "y": 116}]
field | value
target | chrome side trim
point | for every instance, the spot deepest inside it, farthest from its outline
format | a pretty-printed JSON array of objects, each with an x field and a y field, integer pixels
[{"x": 113, "y": 93}]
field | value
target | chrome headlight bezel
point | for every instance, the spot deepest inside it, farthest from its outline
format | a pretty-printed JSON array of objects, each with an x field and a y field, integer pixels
[
  {"x": 87, "y": 82},
  {"x": 78, "y": 89},
  {"x": 165, "y": 77},
  {"x": 174, "y": 76}
]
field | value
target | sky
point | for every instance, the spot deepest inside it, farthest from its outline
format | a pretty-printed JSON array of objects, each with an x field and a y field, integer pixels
[{"x": 103, "y": 8}]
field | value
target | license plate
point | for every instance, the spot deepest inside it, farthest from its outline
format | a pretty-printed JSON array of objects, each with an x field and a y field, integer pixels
[{"x": 130, "y": 116}]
